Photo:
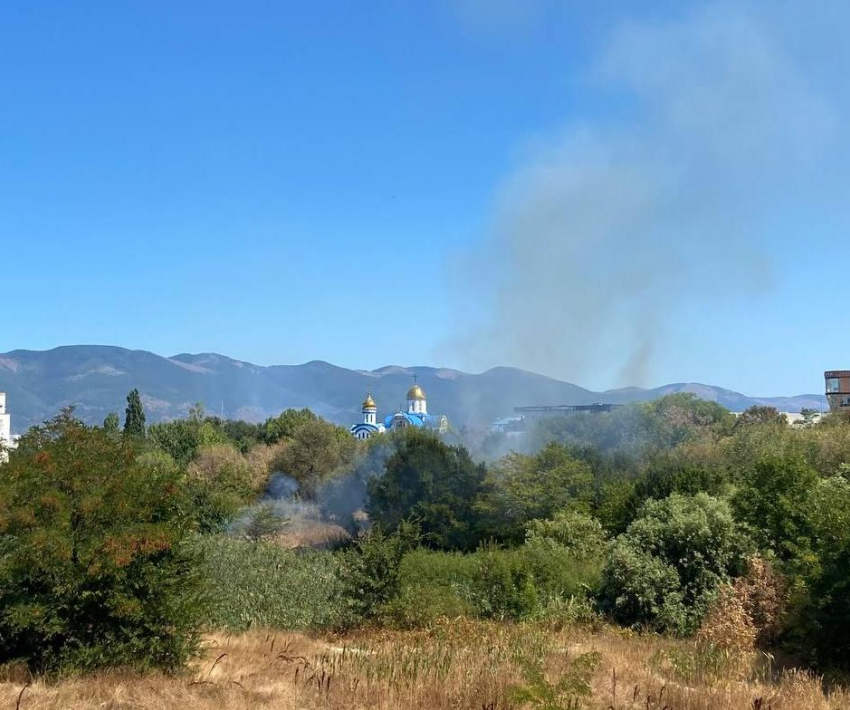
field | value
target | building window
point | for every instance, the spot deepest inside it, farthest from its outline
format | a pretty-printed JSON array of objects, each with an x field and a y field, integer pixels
[{"x": 833, "y": 384}]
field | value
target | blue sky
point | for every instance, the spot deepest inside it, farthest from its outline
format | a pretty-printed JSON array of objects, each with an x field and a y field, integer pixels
[{"x": 606, "y": 196}]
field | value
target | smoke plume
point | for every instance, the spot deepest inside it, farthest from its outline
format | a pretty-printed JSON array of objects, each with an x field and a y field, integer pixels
[{"x": 603, "y": 232}]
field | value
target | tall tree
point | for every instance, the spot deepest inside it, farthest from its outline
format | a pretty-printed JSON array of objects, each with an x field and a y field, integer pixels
[
  {"x": 430, "y": 483},
  {"x": 134, "y": 418}
]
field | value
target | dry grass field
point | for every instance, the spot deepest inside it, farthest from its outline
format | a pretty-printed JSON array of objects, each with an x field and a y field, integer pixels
[{"x": 461, "y": 664}]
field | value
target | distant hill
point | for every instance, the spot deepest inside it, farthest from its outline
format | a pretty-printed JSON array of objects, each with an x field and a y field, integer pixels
[{"x": 96, "y": 379}]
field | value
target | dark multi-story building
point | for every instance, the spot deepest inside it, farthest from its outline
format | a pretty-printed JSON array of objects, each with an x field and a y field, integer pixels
[{"x": 837, "y": 389}]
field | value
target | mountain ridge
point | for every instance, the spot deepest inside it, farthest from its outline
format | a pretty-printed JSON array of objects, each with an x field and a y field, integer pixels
[{"x": 96, "y": 379}]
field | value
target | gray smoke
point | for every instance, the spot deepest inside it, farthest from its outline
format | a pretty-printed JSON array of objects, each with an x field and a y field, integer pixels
[
  {"x": 280, "y": 507},
  {"x": 340, "y": 501},
  {"x": 605, "y": 232}
]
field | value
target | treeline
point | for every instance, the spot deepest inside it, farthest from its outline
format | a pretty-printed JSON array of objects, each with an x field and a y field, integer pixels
[{"x": 117, "y": 545}]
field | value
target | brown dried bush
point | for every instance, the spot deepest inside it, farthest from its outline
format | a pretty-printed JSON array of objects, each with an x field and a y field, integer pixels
[
  {"x": 748, "y": 613},
  {"x": 728, "y": 624}
]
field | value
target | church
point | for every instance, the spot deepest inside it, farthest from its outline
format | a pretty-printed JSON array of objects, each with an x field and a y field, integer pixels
[{"x": 415, "y": 416}]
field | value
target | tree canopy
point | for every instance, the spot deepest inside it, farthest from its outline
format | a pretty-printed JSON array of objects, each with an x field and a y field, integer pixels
[{"x": 92, "y": 567}]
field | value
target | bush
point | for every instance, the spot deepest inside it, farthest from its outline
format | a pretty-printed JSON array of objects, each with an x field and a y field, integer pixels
[
  {"x": 504, "y": 586},
  {"x": 433, "y": 585},
  {"x": 580, "y": 535},
  {"x": 372, "y": 570},
  {"x": 259, "y": 584},
  {"x": 525, "y": 582},
  {"x": 558, "y": 573},
  {"x": 664, "y": 570},
  {"x": 93, "y": 569}
]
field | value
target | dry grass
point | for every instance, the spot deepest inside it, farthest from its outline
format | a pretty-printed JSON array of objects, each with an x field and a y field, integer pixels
[
  {"x": 456, "y": 665},
  {"x": 313, "y": 534}
]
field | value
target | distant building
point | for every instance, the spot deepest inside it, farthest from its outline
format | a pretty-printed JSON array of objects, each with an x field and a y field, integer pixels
[
  {"x": 837, "y": 389},
  {"x": 6, "y": 441},
  {"x": 798, "y": 419},
  {"x": 415, "y": 416},
  {"x": 512, "y": 426}
]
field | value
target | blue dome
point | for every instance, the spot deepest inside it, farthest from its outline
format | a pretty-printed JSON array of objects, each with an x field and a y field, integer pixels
[{"x": 412, "y": 419}]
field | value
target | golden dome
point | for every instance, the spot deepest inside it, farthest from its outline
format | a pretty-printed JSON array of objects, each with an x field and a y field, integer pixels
[
  {"x": 369, "y": 403},
  {"x": 415, "y": 392}
]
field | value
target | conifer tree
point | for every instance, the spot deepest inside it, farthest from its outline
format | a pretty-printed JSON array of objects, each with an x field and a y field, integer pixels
[{"x": 134, "y": 419}]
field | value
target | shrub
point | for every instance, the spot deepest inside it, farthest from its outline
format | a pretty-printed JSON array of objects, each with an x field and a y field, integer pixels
[
  {"x": 727, "y": 624},
  {"x": 664, "y": 570},
  {"x": 749, "y": 612},
  {"x": 557, "y": 572},
  {"x": 580, "y": 535},
  {"x": 503, "y": 586},
  {"x": 433, "y": 585},
  {"x": 93, "y": 571},
  {"x": 526, "y": 582},
  {"x": 372, "y": 570}
]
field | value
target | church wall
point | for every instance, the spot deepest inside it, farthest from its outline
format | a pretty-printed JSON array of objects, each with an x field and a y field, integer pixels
[{"x": 5, "y": 427}]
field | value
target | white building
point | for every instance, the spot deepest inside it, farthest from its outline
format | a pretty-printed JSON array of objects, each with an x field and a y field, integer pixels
[{"x": 6, "y": 441}]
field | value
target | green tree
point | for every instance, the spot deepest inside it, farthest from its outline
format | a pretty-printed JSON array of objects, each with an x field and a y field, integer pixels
[
  {"x": 93, "y": 570},
  {"x": 112, "y": 423},
  {"x": 431, "y": 483},
  {"x": 221, "y": 481},
  {"x": 134, "y": 417},
  {"x": 772, "y": 500},
  {"x": 664, "y": 570},
  {"x": 244, "y": 435},
  {"x": 521, "y": 488},
  {"x": 313, "y": 453},
  {"x": 824, "y": 620},
  {"x": 671, "y": 471},
  {"x": 183, "y": 438},
  {"x": 285, "y": 424}
]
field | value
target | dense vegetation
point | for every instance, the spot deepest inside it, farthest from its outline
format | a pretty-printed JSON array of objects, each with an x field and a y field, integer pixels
[
  {"x": 673, "y": 515},
  {"x": 92, "y": 569}
]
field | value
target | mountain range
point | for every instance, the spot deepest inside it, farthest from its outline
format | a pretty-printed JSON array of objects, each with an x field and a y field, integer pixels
[{"x": 96, "y": 380}]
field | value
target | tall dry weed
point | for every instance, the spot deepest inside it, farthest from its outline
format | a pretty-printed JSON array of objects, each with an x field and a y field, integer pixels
[{"x": 455, "y": 665}]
